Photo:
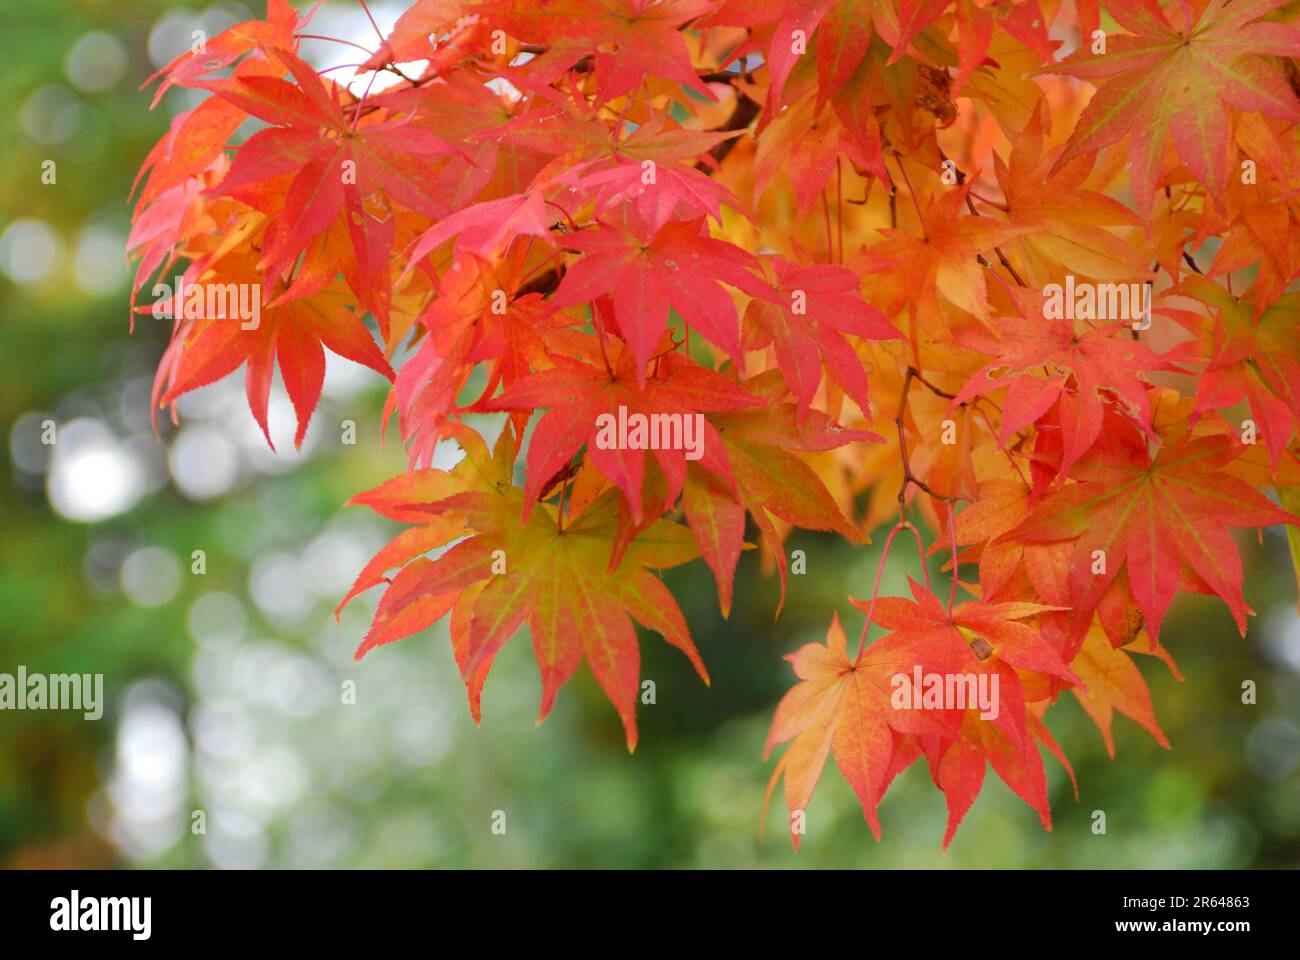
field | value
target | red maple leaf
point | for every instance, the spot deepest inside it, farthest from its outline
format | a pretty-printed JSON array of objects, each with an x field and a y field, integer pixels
[
  {"x": 646, "y": 272},
  {"x": 1154, "y": 516},
  {"x": 813, "y": 308},
  {"x": 291, "y": 334},
  {"x": 579, "y": 394},
  {"x": 1038, "y": 357}
]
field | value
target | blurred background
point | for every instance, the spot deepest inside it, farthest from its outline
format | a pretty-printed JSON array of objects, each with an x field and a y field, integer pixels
[{"x": 223, "y": 688}]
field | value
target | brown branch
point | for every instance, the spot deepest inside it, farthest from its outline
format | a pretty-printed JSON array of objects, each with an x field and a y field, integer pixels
[
  {"x": 970, "y": 205},
  {"x": 742, "y": 114},
  {"x": 908, "y": 476},
  {"x": 543, "y": 283},
  {"x": 722, "y": 76},
  {"x": 916, "y": 374}
]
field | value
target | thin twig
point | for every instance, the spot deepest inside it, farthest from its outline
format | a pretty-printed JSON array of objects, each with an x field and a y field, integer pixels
[
  {"x": 830, "y": 241},
  {"x": 908, "y": 476},
  {"x": 970, "y": 205},
  {"x": 952, "y": 533},
  {"x": 839, "y": 204}
]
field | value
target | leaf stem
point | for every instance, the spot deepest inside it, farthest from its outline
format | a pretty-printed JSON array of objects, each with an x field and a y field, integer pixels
[
  {"x": 600, "y": 337},
  {"x": 952, "y": 533},
  {"x": 559, "y": 514},
  {"x": 321, "y": 36},
  {"x": 916, "y": 202},
  {"x": 880, "y": 570},
  {"x": 379, "y": 33},
  {"x": 992, "y": 203},
  {"x": 839, "y": 204},
  {"x": 830, "y": 240}
]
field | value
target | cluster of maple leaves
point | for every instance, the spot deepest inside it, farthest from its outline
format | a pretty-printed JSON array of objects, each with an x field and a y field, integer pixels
[{"x": 825, "y": 226}]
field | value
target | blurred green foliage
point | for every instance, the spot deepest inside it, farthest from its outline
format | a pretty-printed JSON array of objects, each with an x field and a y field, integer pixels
[{"x": 226, "y": 695}]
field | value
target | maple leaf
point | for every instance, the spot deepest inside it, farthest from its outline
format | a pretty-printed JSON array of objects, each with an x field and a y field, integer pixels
[
  {"x": 458, "y": 108},
  {"x": 1000, "y": 507},
  {"x": 167, "y": 221},
  {"x": 1251, "y": 359},
  {"x": 1113, "y": 683},
  {"x": 1068, "y": 222},
  {"x": 333, "y": 171},
  {"x": 970, "y": 633},
  {"x": 579, "y": 395},
  {"x": 401, "y": 499},
  {"x": 813, "y": 307},
  {"x": 427, "y": 31},
  {"x": 1037, "y": 357},
  {"x": 406, "y": 498},
  {"x": 646, "y": 35},
  {"x": 942, "y": 260},
  {"x": 717, "y": 521},
  {"x": 645, "y": 169},
  {"x": 188, "y": 68},
  {"x": 549, "y": 576},
  {"x": 852, "y": 708},
  {"x": 839, "y": 30},
  {"x": 471, "y": 321},
  {"x": 1153, "y": 516},
  {"x": 1176, "y": 79},
  {"x": 195, "y": 140},
  {"x": 288, "y": 334},
  {"x": 804, "y": 142},
  {"x": 972, "y": 639},
  {"x": 571, "y": 131},
  {"x": 1262, "y": 235},
  {"x": 642, "y": 172},
  {"x": 838, "y": 707},
  {"x": 976, "y": 20},
  {"x": 772, "y": 480},
  {"x": 487, "y": 228},
  {"x": 677, "y": 265},
  {"x": 890, "y": 104}
]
